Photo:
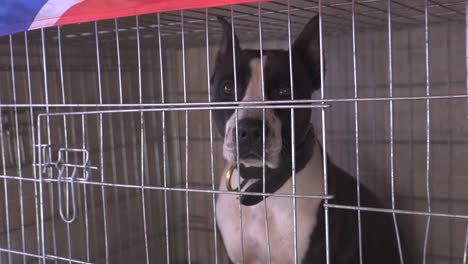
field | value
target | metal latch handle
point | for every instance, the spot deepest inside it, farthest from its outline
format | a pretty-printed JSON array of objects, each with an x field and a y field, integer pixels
[
  {"x": 61, "y": 167},
  {"x": 73, "y": 197}
]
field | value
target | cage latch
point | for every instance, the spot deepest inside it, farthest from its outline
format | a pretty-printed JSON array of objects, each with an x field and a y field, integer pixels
[{"x": 63, "y": 168}]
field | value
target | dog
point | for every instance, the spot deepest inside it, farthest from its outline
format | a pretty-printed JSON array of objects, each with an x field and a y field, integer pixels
[{"x": 378, "y": 234}]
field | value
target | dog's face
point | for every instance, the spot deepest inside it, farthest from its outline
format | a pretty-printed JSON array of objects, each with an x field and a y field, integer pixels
[{"x": 276, "y": 76}]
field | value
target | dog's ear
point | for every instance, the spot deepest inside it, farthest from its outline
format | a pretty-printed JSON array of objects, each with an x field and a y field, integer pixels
[
  {"x": 307, "y": 46},
  {"x": 225, "y": 48}
]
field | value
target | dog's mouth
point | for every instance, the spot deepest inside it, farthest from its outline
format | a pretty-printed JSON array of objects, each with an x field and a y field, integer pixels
[
  {"x": 257, "y": 181},
  {"x": 253, "y": 157}
]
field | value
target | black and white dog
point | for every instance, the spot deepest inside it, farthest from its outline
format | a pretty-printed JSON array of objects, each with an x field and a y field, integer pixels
[{"x": 379, "y": 243}]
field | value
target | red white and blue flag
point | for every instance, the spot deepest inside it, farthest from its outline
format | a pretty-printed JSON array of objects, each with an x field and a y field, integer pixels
[{"x": 23, "y": 15}]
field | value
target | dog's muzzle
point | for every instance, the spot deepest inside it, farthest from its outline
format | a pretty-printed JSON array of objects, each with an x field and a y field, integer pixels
[
  {"x": 274, "y": 177},
  {"x": 249, "y": 140},
  {"x": 250, "y": 137}
]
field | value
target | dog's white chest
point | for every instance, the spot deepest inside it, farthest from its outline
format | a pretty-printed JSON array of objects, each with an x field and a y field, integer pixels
[{"x": 280, "y": 220}]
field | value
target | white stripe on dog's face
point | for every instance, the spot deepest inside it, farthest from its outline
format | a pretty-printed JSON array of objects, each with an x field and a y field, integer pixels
[{"x": 273, "y": 141}]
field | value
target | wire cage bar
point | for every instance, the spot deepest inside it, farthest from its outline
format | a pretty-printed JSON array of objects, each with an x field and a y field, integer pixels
[{"x": 109, "y": 153}]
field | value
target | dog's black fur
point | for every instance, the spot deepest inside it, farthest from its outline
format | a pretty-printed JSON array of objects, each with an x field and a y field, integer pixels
[
  {"x": 379, "y": 241},
  {"x": 379, "y": 236}
]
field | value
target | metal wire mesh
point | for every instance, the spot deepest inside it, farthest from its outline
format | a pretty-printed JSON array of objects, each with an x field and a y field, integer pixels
[{"x": 133, "y": 95}]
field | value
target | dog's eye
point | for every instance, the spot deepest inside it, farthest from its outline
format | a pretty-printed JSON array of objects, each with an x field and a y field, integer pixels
[
  {"x": 284, "y": 92},
  {"x": 228, "y": 88}
]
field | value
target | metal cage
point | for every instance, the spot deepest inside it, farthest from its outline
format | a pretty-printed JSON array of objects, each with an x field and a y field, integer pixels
[{"x": 109, "y": 154}]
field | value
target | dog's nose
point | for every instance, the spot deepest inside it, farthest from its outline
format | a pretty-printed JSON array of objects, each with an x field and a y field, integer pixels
[{"x": 250, "y": 131}]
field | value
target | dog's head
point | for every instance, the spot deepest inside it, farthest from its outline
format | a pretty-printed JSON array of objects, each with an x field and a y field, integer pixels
[
  {"x": 277, "y": 86},
  {"x": 275, "y": 66}
]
